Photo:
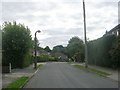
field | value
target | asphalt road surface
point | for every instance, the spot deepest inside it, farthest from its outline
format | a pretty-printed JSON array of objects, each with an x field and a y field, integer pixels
[{"x": 63, "y": 75}]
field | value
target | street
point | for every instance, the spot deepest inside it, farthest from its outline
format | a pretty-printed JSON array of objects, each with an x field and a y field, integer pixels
[{"x": 63, "y": 75}]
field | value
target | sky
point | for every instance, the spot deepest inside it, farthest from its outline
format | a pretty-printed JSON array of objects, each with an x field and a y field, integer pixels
[{"x": 60, "y": 20}]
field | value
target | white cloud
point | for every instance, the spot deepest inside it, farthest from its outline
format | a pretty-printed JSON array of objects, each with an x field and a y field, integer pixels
[{"x": 59, "y": 20}]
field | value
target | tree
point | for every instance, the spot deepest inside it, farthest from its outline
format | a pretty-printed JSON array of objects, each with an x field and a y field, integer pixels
[
  {"x": 16, "y": 44},
  {"x": 47, "y": 49},
  {"x": 75, "y": 49},
  {"x": 59, "y": 48}
]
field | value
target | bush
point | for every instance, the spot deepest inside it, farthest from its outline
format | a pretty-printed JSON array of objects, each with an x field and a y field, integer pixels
[
  {"x": 16, "y": 44},
  {"x": 45, "y": 58},
  {"x": 52, "y": 59},
  {"x": 27, "y": 60}
]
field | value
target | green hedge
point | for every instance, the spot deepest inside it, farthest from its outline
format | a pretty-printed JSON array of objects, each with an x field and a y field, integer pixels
[
  {"x": 45, "y": 58},
  {"x": 27, "y": 60},
  {"x": 99, "y": 51}
]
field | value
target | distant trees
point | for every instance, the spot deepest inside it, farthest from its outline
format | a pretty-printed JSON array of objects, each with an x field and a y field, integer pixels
[
  {"x": 47, "y": 49},
  {"x": 16, "y": 44},
  {"x": 59, "y": 48},
  {"x": 75, "y": 49}
]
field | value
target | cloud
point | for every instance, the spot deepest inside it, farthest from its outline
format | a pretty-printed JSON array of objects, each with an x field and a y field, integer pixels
[{"x": 59, "y": 20}]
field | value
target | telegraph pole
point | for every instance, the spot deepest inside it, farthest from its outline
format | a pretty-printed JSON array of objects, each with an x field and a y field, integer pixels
[{"x": 86, "y": 51}]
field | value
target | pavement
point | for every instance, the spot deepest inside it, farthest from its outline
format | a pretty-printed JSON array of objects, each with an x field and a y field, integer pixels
[
  {"x": 64, "y": 75},
  {"x": 10, "y": 77},
  {"x": 113, "y": 72}
]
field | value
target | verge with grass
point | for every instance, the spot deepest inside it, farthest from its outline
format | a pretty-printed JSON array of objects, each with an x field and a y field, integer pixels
[
  {"x": 99, "y": 72},
  {"x": 17, "y": 84},
  {"x": 39, "y": 65}
]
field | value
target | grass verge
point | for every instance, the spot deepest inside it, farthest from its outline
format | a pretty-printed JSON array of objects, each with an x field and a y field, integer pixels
[
  {"x": 17, "y": 83},
  {"x": 39, "y": 65},
  {"x": 101, "y": 73}
]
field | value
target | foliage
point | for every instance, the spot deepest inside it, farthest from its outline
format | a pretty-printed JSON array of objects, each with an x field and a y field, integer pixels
[
  {"x": 17, "y": 43},
  {"x": 60, "y": 53},
  {"x": 58, "y": 48},
  {"x": 47, "y": 49},
  {"x": 17, "y": 83},
  {"x": 115, "y": 53},
  {"x": 99, "y": 72},
  {"x": 75, "y": 49},
  {"x": 45, "y": 58},
  {"x": 98, "y": 51},
  {"x": 27, "y": 60},
  {"x": 39, "y": 65}
]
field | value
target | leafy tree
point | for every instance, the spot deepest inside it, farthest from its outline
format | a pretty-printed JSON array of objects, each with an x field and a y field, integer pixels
[
  {"x": 75, "y": 49},
  {"x": 58, "y": 48},
  {"x": 47, "y": 49},
  {"x": 16, "y": 44}
]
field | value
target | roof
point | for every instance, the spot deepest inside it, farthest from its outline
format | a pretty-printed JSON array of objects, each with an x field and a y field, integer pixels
[{"x": 116, "y": 28}]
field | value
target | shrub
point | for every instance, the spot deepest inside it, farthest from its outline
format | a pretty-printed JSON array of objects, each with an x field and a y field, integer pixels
[
  {"x": 45, "y": 58},
  {"x": 16, "y": 43}
]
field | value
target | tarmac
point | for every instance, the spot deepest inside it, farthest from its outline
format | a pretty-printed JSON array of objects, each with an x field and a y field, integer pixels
[
  {"x": 30, "y": 71},
  {"x": 113, "y": 72}
]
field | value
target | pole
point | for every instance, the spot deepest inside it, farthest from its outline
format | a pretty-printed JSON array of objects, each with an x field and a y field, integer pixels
[
  {"x": 35, "y": 61},
  {"x": 86, "y": 54}
]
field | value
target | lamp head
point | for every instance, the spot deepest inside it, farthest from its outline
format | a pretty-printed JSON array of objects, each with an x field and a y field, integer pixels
[{"x": 39, "y": 31}]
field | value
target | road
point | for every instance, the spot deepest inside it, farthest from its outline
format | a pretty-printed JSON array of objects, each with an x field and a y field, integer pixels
[{"x": 63, "y": 75}]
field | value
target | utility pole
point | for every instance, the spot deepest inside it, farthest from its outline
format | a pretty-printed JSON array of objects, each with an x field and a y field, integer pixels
[{"x": 86, "y": 51}]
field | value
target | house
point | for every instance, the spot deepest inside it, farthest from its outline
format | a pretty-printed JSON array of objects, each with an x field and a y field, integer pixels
[{"x": 115, "y": 31}]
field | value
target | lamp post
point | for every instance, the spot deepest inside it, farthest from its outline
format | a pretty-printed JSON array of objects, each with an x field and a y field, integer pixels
[
  {"x": 35, "y": 61},
  {"x": 86, "y": 51}
]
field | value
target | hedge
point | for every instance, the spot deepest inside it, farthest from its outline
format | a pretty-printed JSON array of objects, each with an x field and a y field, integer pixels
[
  {"x": 99, "y": 51},
  {"x": 45, "y": 58}
]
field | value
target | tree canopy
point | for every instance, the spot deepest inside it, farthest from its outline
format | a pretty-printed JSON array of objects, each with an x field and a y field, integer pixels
[
  {"x": 47, "y": 49},
  {"x": 75, "y": 49},
  {"x": 58, "y": 48},
  {"x": 16, "y": 42}
]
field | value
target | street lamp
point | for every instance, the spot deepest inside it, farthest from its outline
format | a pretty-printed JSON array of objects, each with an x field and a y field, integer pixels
[
  {"x": 86, "y": 51},
  {"x": 35, "y": 61}
]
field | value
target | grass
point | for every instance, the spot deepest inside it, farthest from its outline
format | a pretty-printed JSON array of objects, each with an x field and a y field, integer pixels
[
  {"x": 101, "y": 73},
  {"x": 16, "y": 85},
  {"x": 39, "y": 65}
]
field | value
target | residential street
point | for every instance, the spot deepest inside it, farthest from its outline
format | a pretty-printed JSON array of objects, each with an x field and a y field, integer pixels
[{"x": 63, "y": 75}]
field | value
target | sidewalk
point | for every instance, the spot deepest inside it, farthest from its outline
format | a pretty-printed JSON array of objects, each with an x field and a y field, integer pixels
[
  {"x": 114, "y": 73},
  {"x": 10, "y": 77}
]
